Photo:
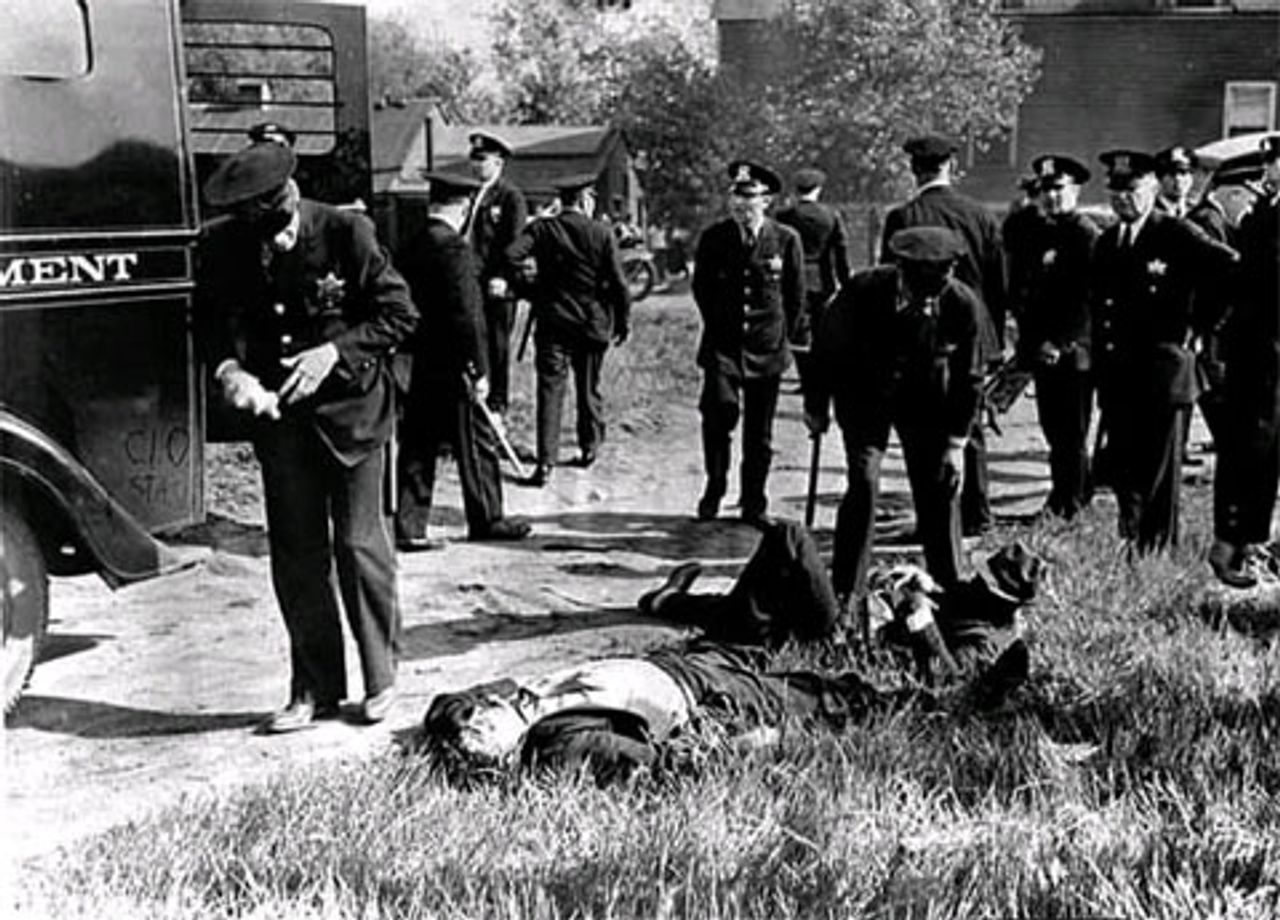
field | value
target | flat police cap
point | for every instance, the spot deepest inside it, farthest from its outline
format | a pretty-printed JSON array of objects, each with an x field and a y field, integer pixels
[
  {"x": 808, "y": 179},
  {"x": 447, "y": 185},
  {"x": 930, "y": 147},
  {"x": 1051, "y": 167},
  {"x": 1123, "y": 166},
  {"x": 753, "y": 179},
  {"x": 571, "y": 185},
  {"x": 483, "y": 142},
  {"x": 250, "y": 173},
  {"x": 1175, "y": 160},
  {"x": 926, "y": 244}
]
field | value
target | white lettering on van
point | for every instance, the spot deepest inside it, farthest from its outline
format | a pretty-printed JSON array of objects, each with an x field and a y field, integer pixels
[{"x": 35, "y": 271}]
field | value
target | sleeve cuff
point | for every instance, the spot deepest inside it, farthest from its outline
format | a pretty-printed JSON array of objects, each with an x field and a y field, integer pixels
[{"x": 957, "y": 443}]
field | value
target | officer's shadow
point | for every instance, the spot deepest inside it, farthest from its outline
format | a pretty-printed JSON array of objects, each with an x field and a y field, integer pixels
[{"x": 94, "y": 719}]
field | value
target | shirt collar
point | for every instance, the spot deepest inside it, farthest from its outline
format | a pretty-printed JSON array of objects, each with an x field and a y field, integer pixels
[{"x": 286, "y": 239}]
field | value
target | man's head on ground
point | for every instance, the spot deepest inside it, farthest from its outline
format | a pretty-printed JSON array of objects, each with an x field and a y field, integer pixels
[
  {"x": 926, "y": 256},
  {"x": 932, "y": 158},
  {"x": 1059, "y": 179},
  {"x": 488, "y": 154}
]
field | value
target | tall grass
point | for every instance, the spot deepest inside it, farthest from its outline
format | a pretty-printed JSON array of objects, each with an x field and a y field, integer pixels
[{"x": 1135, "y": 776}]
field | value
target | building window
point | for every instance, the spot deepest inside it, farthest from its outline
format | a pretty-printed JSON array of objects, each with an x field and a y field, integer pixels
[
  {"x": 1248, "y": 107},
  {"x": 47, "y": 40}
]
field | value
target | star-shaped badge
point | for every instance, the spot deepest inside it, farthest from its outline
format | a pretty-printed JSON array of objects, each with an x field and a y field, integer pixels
[
  {"x": 1157, "y": 267},
  {"x": 1050, "y": 257},
  {"x": 330, "y": 289},
  {"x": 775, "y": 264}
]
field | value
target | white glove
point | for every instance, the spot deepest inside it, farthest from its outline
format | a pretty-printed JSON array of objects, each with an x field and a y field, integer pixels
[
  {"x": 308, "y": 369},
  {"x": 245, "y": 392},
  {"x": 497, "y": 287}
]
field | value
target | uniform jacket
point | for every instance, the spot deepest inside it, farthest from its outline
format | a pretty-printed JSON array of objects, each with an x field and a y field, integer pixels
[
  {"x": 884, "y": 364},
  {"x": 580, "y": 293},
  {"x": 826, "y": 245},
  {"x": 497, "y": 220},
  {"x": 450, "y": 340},
  {"x": 1144, "y": 307},
  {"x": 982, "y": 268},
  {"x": 750, "y": 300},
  {"x": 1253, "y": 330},
  {"x": 1049, "y": 266},
  {"x": 335, "y": 285}
]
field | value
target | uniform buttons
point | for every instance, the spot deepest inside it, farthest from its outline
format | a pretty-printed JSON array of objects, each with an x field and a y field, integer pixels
[
  {"x": 286, "y": 341},
  {"x": 1109, "y": 302},
  {"x": 278, "y": 309}
]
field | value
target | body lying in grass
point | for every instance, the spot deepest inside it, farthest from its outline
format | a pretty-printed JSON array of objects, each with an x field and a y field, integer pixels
[{"x": 615, "y": 714}]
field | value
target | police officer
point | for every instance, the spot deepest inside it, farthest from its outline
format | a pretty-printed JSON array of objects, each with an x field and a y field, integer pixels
[
  {"x": 900, "y": 346},
  {"x": 302, "y": 309},
  {"x": 826, "y": 245},
  {"x": 1249, "y": 457},
  {"x": 1175, "y": 170},
  {"x": 1051, "y": 300},
  {"x": 936, "y": 203},
  {"x": 748, "y": 283},
  {"x": 497, "y": 219},
  {"x": 1146, "y": 269},
  {"x": 449, "y": 364},
  {"x": 580, "y": 306}
]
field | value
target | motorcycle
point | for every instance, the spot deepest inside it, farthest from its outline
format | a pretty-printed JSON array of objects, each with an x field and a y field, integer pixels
[{"x": 640, "y": 270}]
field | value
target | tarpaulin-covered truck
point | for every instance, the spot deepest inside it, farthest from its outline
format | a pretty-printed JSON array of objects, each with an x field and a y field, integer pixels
[{"x": 111, "y": 112}]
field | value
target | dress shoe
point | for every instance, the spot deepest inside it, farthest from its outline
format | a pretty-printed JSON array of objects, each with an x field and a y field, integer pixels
[
  {"x": 375, "y": 708},
  {"x": 418, "y": 544},
  {"x": 1227, "y": 561},
  {"x": 679, "y": 580},
  {"x": 708, "y": 508},
  {"x": 587, "y": 458},
  {"x": 299, "y": 714},
  {"x": 540, "y": 477},
  {"x": 501, "y": 529}
]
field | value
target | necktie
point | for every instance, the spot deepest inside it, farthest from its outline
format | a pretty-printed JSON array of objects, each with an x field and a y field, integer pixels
[{"x": 1126, "y": 236}]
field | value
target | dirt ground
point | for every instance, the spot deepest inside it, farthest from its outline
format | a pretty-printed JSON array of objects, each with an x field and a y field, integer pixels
[{"x": 151, "y": 694}]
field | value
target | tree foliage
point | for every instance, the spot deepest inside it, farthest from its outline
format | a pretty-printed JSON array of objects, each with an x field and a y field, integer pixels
[{"x": 403, "y": 65}]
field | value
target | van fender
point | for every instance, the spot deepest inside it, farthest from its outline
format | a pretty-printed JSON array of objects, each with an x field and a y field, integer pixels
[{"x": 121, "y": 547}]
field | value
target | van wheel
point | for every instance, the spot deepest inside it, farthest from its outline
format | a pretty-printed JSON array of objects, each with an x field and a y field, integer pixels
[{"x": 24, "y": 590}]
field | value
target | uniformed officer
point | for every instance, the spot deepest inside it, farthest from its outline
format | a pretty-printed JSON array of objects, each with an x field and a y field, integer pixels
[
  {"x": 826, "y": 245},
  {"x": 498, "y": 217},
  {"x": 1249, "y": 457},
  {"x": 1175, "y": 170},
  {"x": 1146, "y": 270},
  {"x": 936, "y": 203},
  {"x": 748, "y": 283},
  {"x": 1051, "y": 264},
  {"x": 302, "y": 309},
  {"x": 580, "y": 307},
  {"x": 900, "y": 346}
]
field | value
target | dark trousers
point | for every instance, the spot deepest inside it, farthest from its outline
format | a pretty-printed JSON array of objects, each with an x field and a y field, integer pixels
[
  {"x": 975, "y": 506},
  {"x": 554, "y": 360},
  {"x": 724, "y": 399},
  {"x": 1064, "y": 402},
  {"x": 782, "y": 592},
  {"x": 937, "y": 505},
  {"x": 445, "y": 415},
  {"x": 1245, "y": 483},
  {"x": 499, "y": 316},
  {"x": 1145, "y": 451},
  {"x": 322, "y": 514}
]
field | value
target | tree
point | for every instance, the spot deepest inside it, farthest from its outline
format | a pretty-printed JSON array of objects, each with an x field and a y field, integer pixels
[{"x": 404, "y": 65}]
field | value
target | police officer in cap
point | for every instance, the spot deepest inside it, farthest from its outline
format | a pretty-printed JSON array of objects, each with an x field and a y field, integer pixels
[
  {"x": 1051, "y": 300},
  {"x": 1249, "y": 456},
  {"x": 981, "y": 266},
  {"x": 302, "y": 309},
  {"x": 748, "y": 283},
  {"x": 1146, "y": 271},
  {"x": 496, "y": 220},
  {"x": 826, "y": 244},
  {"x": 901, "y": 347},
  {"x": 450, "y": 360},
  {"x": 1175, "y": 169},
  {"x": 581, "y": 306}
]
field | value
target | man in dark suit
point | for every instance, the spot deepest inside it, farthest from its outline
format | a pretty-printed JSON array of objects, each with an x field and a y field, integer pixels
[
  {"x": 748, "y": 283},
  {"x": 580, "y": 306},
  {"x": 900, "y": 347},
  {"x": 826, "y": 245},
  {"x": 302, "y": 308},
  {"x": 1249, "y": 458},
  {"x": 496, "y": 220},
  {"x": 449, "y": 363},
  {"x": 1146, "y": 271},
  {"x": 981, "y": 267},
  {"x": 1050, "y": 263}
]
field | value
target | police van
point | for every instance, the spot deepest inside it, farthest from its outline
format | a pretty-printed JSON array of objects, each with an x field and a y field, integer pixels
[{"x": 111, "y": 113}]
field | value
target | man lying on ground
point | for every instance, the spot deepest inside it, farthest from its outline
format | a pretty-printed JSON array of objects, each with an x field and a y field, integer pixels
[{"x": 616, "y": 714}]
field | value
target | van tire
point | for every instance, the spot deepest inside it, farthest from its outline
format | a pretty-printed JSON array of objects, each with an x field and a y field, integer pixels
[{"x": 24, "y": 591}]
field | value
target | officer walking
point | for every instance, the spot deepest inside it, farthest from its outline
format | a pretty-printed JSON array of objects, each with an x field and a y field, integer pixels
[
  {"x": 936, "y": 203},
  {"x": 303, "y": 309},
  {"x": 748, "y": 283},
  {"x": 449, "y": 364},
  {"x": 1249, "y": 457},
  {"x": 580, "y": 306},
  {"x": 1051, "y": 300},
  {"x": 1146, "y": 269},
  {"x": 496, "y": 220},
  {"x": 900, "y": 347},
  {"x": 826, "y": 245}
]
